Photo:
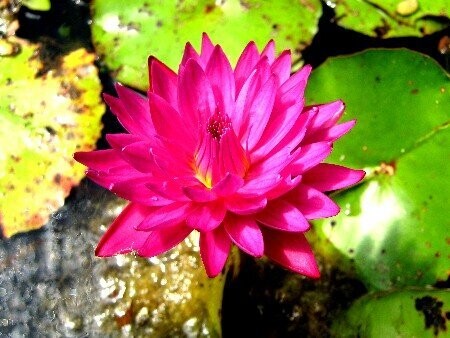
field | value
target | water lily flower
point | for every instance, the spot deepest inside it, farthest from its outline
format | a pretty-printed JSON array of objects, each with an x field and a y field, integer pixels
[{"x": 231, "y": 153}]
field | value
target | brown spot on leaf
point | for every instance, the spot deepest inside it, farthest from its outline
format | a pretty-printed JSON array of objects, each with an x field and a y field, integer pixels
[
  {"x": 209, "y": 8},
  {"x": 386, "y": 168},
  {"x": 444, "y": 45},
  {"x": 432, "y": 309},
  {"x": 414, "y": 91}
]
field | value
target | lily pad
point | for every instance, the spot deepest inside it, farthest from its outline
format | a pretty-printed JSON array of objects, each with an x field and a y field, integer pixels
[
  {"x": 393, "y": 18},
  {"x": 393, "y": 227},
  {"x": 407, "y": 313},
  {"x": 37, "y": 5},
  {"x": 46, "y": 114},
  {"x": 125, "y": 34}
]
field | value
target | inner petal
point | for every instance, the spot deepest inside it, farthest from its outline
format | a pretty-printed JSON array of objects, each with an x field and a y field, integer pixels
[{"x": 219, "y": 152}]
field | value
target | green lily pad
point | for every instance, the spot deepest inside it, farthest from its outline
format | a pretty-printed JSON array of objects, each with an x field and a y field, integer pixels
[
  {"x": 125, "y": 34},
  {"x": 393, "y": 18},
  {"x": 46, "y": 115},
  {"x": 37, "y": 5},
  {"x": 406, "y": 313},
  {"x": 393, "y": 227}
]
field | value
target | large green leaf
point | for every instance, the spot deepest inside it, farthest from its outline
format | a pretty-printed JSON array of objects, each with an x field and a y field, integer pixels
[
  {"x": 394, "y": 226},
  {"x": 126, "y": 33},
  {"x": 393, "y": 18},
  {"x": 407, "y": 313},
  {"x": 46, "y": 114}
]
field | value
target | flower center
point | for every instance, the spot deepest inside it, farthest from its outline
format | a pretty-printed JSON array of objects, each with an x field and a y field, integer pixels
[{"x": 218, "y": 125}]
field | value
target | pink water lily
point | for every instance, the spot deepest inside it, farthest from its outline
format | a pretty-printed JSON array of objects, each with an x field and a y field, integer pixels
[{"x": 232, "y": 153}]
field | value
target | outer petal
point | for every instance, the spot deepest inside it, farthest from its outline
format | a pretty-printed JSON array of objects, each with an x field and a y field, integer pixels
[
  {"x": 221, "y": 77},
  {"x": 214, "y": 249},
  {"x": 100, "y": 160},
  {"x": 228, "y": 185},
  {"x": 126, "y": 120},
  {"x": 282, "y": 215},
  {"x": 245, "y": 65},
  {"x": 121, "y": 236},
  {"x": 207, "y": 49},
  {"x": 195, "y": 96},
  {"x": 176, "y": 131},
  {"x": 118, "y": 141},
  {"x": 246, "y": 206},
  {"x": 291, "y": 251},
  {"x": 206, "y": 216},
  {"x": 165, "y": 216},
  {"x": 189, "y": 53},
  {"x": 309, "y": 156},
  {"x": 282, "y": 66},
  {"x": 312, "y": 203},
  {"x": 269, "y": 51},
  {"x": 135, "y": 190},
  {"x": 260, "y": 110},
  {"x": 137, "y": 107},
  {"x": 327, "y": 177},
  {"x": 163, "y": 81},
  {"x": 329, "y": 134},
  {"x": 246, "y": 234},
  {"x": 138, "y": 155},
  {"x": 162, "y": 240}
]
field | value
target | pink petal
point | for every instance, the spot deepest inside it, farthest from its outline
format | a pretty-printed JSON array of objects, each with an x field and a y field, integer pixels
[
  {"x": 206, "y": 216},
  {"x": 246, "y": 234},
  {"x": 135, "y": 190},
  {"x": 207, "y": 49},
  {"x": 119, "y": 141},
  {"x": 228, "y": 185},
  {"x": 312, "y": 203},
  {"x": 246, "y": 206},
  {"x": 260, "y": 109},
  {"x": 282, "y": 215},
  {"x": 327, "y": 115},
  {"x": 329, "y": 134},
  {"x": 269, "y": 51},
  {"x": 138, "y": 155},
  {"x": 277, "y": 129},
  {"x": 327, "y": 177},
  {"x": 195, "y": 96},
  {"x": 293, "y": 138},
  {"x": 100, "y": 159},
  {"x": 175, "y": 131},
  {"x": 260, "y": 185},
  {"x": 270, "y": 165},
  {"x": 247, "y": 98},
  {"x": 126, "y": 120},
  {"x": 170, "y": 190},
  {"x": 165, "y": 216},
  {"x": 287, "y": 184},
  {"x": 214, "y": 249},
  {"x": 291, "y": 251},
  {"x": 309, "y": 156},
  {"x": 221, "y": 77},
  {"x": 160, "y": 241},
  {"x": 199, "y": 193},
  {"x": 121, "y": 237},
  {"x": 189, "y": 53},
  {"x": 294, "y": 87},
  {"x": 232, "y": 158},
  {"x": 282, "y": 66},
  {"x": 163, "y": 81},
  {"x": 137, "y": 106},
  {"x": 245, "y": 65}
]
